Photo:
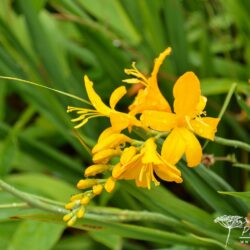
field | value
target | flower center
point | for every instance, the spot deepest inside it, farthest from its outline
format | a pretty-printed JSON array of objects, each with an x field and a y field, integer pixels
[{"x": 181, "y": 121}]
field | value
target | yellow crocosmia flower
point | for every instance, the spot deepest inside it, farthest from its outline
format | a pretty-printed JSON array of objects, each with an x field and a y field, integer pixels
[
  {"x": 119, "y": 120},
  {"x": 149, "y": 98},
  {"x": 141, "y": 167},
  {"x": 186, "y": 120}
]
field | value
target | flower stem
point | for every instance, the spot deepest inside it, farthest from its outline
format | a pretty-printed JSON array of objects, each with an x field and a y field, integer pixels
[
  {"x": 233, "y": 143},
  {"x": 14, "y": 205},
  {"x": 227, "y": 100},
  {"x": 224, "y": 106},
  {"x": 34, "y": 202},
  {"x": 228, "y": 235}
]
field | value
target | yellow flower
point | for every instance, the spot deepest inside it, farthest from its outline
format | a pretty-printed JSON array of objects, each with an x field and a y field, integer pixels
[
  {"x": 149, "y": 98},
  {"x": 142, "y": 166},
  {"x": 119, "y": 120},
  {"x": 186, "y": 119}
]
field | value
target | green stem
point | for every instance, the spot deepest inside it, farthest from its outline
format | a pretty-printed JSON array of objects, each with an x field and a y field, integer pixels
[
  {"x": 227, "y": 100},
  {"x": 31, "y": 200},
  {"x": 224, "y": 106},
  {"x": 14, "y": 205},
  {"x": 232, "y": 143},
  {"x": 100, "y": 214}
]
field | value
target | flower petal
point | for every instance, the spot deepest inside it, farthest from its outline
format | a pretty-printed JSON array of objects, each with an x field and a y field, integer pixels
[
  {"x": 168, "y": 174},
  {"x": 201, "y": 105},
  {"x": 173, "y": 147},
  {"x": 193, "y": 150},
  {"x": 110, "y": 142},
  {"x": 120, "y": 121},
  {"x": 128, "y": 154},
  {"x": 116, "y": 96},
  {"x": 95, "y": 98},
  {"x": 205, "y": 127},
  {"x": 150, "y": 154},
  {"x": 159, "y": 60},
  {"x": 106, "y": 133},
  {"x": 158, "y": 120},
  {"x": 187, "y": 94}
]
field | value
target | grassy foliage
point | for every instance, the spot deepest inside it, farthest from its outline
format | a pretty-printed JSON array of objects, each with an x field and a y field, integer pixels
[{"x": 54, "y": 43}]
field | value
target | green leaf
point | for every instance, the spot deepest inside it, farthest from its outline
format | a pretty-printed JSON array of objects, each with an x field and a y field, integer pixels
[
  {"x": 35, "y": 235},
  {"x": 114, "y": 16},
  {"x": 242, "y": 195},
  {"x": 44, "y": 185},
  {"x": 132, "y": 231},
  {"x": 108, "y": 238},
  {"x": 8, "y": 151},
  {"x": 214, "y": 86}
]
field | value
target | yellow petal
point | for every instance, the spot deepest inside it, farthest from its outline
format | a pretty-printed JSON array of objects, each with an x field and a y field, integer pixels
[
  {"x": 193, "y": 150},
  {"x": 129, "y": 171},
  {"x": 173, "y": 147},
  {"x": 205, "y": 127},
  {"x": 128, "y": 154},
  {"x": 158, "y": 120},
  {"x": 120, "y": 121},
  {"x": 149, "y": 98},
  {"x": 95, "y": 98},
  {"x": 159, "y": 60},
  {"x": 168, "y": 174},
  {"x": 150, "y": 154},
  {"x": 201, "y": 105},
  {"x": 186, "y": 94},
  {"x": 110, "y": 142},
  {"x": 116, "y": 96},
  {"x": 106, "y": 133}
]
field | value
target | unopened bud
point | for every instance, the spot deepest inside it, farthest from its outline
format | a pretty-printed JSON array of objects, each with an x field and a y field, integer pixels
[
  {"x": 110, "y": 184},
  {"x": 83, "y": 184},
  {"x": 97, "y": 189}
]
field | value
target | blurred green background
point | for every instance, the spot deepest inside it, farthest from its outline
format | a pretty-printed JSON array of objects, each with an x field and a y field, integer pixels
[{"x": 56, "y": 42}]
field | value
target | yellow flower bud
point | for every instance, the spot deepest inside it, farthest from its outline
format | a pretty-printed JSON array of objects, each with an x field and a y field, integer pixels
[
  {"x": 110, "y": 142},
  {"x": 83, "y": 184},
  {"x": 95, "y": 169},
  {"x": 110, "y": 184},
  {"x": 85, "y": 200},
  {"x": 97, "y": 189},
  {"x": 67, "y": 217},
  {"x": 72, "y": 221},
  {"x": 80, "y": 212},
  {"x": 104, "y": 155},
  {"x": 70, "y": 205},
  {"x": 76, "y": 197}
]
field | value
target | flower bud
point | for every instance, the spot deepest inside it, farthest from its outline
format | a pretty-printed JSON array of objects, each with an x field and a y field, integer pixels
[
  {"x": 109, "y": 185},
  {"x": 83, "y": 184},
  {"x": 70, "y": 205},
  {"x": 67, "y": 217},
  {"x": 95, "y": 169},
  {"x": 80, "y": 212},
  {"x": 85, "y": 200},
  {"x": 97, "y": 189}
]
